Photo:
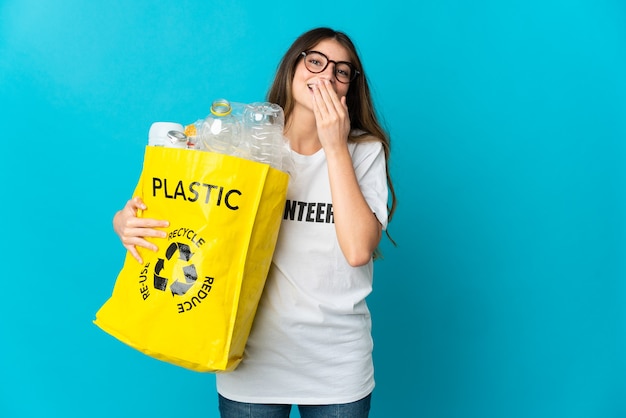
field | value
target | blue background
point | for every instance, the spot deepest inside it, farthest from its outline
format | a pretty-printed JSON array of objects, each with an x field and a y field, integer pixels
[{"x": 506, "y": 295}]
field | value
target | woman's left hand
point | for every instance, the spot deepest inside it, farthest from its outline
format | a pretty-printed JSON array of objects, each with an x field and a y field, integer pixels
[{"x": 331, "y": 115}]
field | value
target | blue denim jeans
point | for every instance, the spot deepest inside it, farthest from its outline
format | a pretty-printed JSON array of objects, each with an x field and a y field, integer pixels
[{"x": 233, "y": 409}]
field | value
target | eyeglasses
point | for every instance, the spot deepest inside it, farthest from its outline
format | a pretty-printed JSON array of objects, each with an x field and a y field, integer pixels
[{"x": 316, "y": 62}]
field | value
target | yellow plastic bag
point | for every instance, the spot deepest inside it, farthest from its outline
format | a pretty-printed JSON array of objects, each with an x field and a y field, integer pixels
[{"x": 193, "y": 302}]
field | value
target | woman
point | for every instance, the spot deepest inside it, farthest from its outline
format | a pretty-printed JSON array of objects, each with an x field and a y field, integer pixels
[{"x": 311, "y": 342}]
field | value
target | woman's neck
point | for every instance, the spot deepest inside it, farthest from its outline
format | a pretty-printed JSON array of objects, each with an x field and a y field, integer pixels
[{"x": 301, "y": 131}]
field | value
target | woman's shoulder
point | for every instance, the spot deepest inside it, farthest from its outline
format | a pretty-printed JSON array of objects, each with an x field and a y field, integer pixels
[
  {"x": 366, "y": 148},
  {"x": 364, "y": 142}
]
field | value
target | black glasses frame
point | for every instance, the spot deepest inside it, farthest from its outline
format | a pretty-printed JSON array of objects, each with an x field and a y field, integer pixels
[{"x": 354, "y": 72}]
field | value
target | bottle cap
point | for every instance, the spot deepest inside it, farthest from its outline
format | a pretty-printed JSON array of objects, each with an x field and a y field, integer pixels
[{"x": 221, "y": 107}]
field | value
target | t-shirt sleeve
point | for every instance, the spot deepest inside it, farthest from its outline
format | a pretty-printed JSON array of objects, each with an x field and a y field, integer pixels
[{"x": 370, "y": 167}]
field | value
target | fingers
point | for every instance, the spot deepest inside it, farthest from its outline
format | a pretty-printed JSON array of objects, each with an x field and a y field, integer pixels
[
  {"x": 131, "y": 241},
  {"x": 128, "y": 216},
  {"x": 135, "y": 204},
  {"x": 138, "y": 201},
  {"x": 331, "y": 114},
  {"x": 319, "y": 107},
  {"x": 344, "y": 103},
  {"x": 135, "y": 222},
  {"x": 140, "y": 230},
  {"x": 136, "y": 238},
  {"x": 133, "y": 251},
  {"x": 134, "y": 231},
  {"x": 326, "y": 100}
]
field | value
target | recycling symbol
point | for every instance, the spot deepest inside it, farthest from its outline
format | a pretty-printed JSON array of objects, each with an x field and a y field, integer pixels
[{"x": 183, "y": 280}]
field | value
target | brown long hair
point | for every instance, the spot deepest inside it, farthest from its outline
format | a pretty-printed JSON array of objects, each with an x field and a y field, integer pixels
[{"x": 363, "y": 118}]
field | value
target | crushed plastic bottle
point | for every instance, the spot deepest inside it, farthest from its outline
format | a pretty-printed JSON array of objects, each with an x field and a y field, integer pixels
[{"x": 263, "y": 127}]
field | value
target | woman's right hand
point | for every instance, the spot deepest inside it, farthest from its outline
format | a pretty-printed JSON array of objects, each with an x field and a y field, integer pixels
[{"x": 133, "y": 230}]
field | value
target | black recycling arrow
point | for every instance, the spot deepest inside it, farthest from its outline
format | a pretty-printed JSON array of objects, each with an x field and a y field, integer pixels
[
  {"x": 184, "y": 252},
  {"x": 160, "y": 283},
  {"x": 180, "y": 288}
]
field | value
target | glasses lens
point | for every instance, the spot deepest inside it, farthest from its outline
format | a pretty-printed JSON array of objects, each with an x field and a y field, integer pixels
[
  {"x": 315, "y": 62},
  {"x": 343, "y": 72}
]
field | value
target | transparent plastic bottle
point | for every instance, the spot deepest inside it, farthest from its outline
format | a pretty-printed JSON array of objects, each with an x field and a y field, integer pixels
[
  {"x": 220, "y": 131},
  {"x": 264, "y": 123},
  {"x": 167, "y": 134}
]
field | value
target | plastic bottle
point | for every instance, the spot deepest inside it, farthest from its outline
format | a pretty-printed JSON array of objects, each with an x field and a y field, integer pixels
[
  {"x": 221, "y": 130},
  {"x": 264, "y": 123},
  {"x": 167, "y": 134}
]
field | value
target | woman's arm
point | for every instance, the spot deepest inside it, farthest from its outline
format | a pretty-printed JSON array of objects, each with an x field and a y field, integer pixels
[{"x": 358, "y": 229}]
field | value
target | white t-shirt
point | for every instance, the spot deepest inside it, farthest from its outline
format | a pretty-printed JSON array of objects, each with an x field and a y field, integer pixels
[{"x": 311, "y": 339}]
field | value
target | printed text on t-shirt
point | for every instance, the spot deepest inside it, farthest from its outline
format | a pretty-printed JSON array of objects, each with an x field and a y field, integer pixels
[{"x": 309, "y": 212}]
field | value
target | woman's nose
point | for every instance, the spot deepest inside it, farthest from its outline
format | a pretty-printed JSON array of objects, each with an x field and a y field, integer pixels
[{"x": 328, "y": 73}]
